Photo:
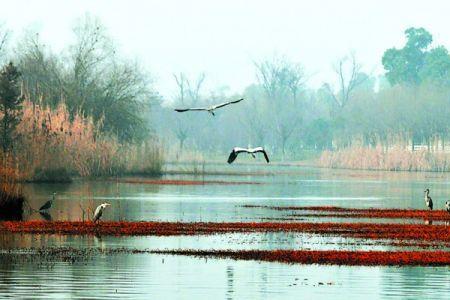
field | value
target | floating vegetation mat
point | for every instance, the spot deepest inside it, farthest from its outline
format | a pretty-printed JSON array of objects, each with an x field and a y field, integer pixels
[
  {"x": 374, "y": 231},
  {"x": 329, "y": 257},
  {"x": 341, "y": 212},
  {"x": 325, "y": 257}
]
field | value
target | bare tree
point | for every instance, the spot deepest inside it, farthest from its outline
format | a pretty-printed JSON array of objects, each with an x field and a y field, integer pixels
[
  {"x": 282, "y": 81},
  {"x": 349, "y": 74},
  {"x": 188, "y": 94},
  {"x": 4, "y": 38}
]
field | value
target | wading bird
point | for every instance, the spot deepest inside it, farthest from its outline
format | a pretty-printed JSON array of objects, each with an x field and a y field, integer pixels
[
  {"x": 236, "y": 150},
  {"x": 47, "y": 205},
  {"x": 447, "y": 206},
  {"x": 210, "y": 109},
  {"x": 99, "y": 211},
  {"x": 428, "y": 200}
]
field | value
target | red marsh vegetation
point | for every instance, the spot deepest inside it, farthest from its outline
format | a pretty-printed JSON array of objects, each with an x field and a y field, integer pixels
[
  {"x": 329, "y": 257},
  {"x": 417, "y": 232},
  {"x": 322, "y": 257},
  {"x": 379, "y": 213}
]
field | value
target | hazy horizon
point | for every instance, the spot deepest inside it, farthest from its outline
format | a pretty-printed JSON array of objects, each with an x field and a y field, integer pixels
[{"x": 223, "y": 40}]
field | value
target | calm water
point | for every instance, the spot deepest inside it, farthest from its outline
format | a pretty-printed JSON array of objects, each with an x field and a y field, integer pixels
[{"x": 160, "y": 276}]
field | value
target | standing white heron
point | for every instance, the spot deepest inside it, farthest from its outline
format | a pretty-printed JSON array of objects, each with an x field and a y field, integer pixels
[
  {"x": 428, "y": 200},
  {"x": 99, "y": 211},
  {"x": 209, "y": 109},
  {"x": 236, "y": 150},
  {"x": 447, "y": 206},
  {"x": 47, "y": 205}
]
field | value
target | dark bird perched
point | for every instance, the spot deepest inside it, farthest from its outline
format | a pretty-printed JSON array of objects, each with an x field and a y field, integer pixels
[
  {"x": 447, "y": 206},
  {"x": 99, "y": 211},
  {"x": 47, "y": 205},
  {"x": 236, "y": 150},
  {"x": 428, "y": 200},
  {"x": 210, "y": 109}
]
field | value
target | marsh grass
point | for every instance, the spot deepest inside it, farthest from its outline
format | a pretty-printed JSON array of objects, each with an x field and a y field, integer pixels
[
  {"x": 396, "y": 158},
  {"x": 54, "y": 145}
]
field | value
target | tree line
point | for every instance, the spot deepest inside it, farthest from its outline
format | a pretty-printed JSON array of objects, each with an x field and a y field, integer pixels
[{"x": 408, "y": 105}]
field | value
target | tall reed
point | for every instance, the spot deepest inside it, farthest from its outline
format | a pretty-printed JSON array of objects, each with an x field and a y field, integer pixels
[
  {"x": 396, "y": 158},
  {"x": 52, "y": 145}
]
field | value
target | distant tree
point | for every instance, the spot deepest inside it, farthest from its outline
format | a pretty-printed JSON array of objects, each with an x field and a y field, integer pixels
[
  {"x": 414, "y": 63},
  {"x": 436, "y": 68},
  {"x": 4, "y": 38},
  {"x": 91, "y": 79},
  {"x": 350, "y": 77},
  {"x": 282, "y": 81},
  {"x": 318, "y": 135},
  {"x": 188, "y": 95},
  {"x": 10, "y": 104}
]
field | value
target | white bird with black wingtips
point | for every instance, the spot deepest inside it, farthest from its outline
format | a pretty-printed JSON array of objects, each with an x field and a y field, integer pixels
[
  {"x": 209, "y": 109},
  {"x": 447, "y": 206},
  {"x": 236, "y": 150}
]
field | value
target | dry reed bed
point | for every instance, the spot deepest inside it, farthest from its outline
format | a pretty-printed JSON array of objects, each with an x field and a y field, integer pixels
[
  {"x": 54, "y": 139},
  {"x": 397, "y": 158},
  {"x": 378, "y": 213},
  {"x": 402, "y": 232}
]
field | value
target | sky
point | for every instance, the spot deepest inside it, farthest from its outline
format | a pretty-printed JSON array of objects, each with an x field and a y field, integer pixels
[{"x": 224, "y": 39}]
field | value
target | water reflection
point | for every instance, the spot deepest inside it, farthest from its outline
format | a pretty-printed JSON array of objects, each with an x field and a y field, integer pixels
[
  {"x": 155, "y": 276},
  {"x": 215, "y": 202},
  {"x": 148, "y": 276}
]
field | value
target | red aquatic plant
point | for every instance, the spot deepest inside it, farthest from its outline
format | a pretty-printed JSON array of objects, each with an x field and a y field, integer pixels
[
  {"x": 418, "y": 232},
  {"x": 378, "y": 213},
  {"x": 330, "y": 257}
]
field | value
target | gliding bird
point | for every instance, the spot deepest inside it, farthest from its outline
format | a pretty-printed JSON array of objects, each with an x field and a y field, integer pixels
[
  {"x": 210, "y": 109},
  {"x": 99, "y": 211},
  {"x": 236, "y": 150}
]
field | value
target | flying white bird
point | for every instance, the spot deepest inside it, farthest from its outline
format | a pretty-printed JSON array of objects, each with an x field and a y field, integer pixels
[
  {"x": 447, "y": 206},
  {"x": 47, "y": 205},
  {"x": 236, "y": 150},
  {"x": 99, "y": 211},
  {"x": 210, "y": 109}
]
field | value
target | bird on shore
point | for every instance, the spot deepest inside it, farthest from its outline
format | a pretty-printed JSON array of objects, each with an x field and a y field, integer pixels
[
  {"x": 428, "y": 200},
  {"x": 236, "y": 150},
  {"x": 99, "y": 211},
  {"x": 209, "y": 109},
  {"x": 447, "y": 206},
  {"x": 47, "y": 205}
]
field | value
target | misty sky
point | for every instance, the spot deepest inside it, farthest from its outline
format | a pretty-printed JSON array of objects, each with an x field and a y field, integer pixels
[{"x": 224, "y": 38}]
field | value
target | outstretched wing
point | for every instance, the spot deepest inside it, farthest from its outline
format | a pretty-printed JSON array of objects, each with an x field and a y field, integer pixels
[
  {"x": 226, "y": 103},
  {"x": 189, "y": 109},
  {"x": 261, "y": 149},
  {"x": 232, "y": 156}
]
